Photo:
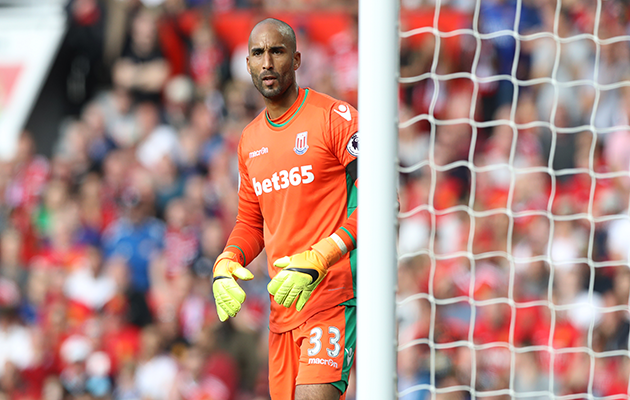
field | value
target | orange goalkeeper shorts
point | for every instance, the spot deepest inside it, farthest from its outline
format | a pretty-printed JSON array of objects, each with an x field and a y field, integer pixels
[{"x": 319, "y": 351}]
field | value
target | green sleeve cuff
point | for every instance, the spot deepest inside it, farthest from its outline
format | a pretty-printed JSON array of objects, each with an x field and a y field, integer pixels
[{"x": 239, "y": 249}]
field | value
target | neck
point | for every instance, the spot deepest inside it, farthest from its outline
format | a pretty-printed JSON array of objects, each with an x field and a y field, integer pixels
[{"x": 278, "y": 106}]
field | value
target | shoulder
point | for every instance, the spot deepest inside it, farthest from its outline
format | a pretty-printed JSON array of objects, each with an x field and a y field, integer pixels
[
  {"x": 332, "y": 107},
  {"x": 255, "y": 125},
  {"x": 320, "y": 99},
  {"x": 256, "y": 122},
  {"x": 252, "y": 128}
]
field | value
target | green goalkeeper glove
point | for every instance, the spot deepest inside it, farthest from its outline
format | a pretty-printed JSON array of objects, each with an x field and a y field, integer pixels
[
  {"x": 302, "y": 273},
  {"x": 228, "y": 295}
]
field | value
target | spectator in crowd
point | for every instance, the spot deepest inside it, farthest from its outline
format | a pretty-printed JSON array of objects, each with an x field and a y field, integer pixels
[
  {"x": 156, "y": 369},
  {"x": 314, "y": 71},
  {"x": 139, "y": 238},
  {"x": 176, "y": 24},
  {"x": 209, "y": 64},
  {"x": 344, "y": 49},
  {"x": 142, "y": 68},
  {"x": 16, "y": 351},
  {"x": 178, "y": 97}
]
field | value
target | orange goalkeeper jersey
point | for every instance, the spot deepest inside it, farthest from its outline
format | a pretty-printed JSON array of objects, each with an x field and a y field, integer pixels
[{"x": 296, "y": 188}]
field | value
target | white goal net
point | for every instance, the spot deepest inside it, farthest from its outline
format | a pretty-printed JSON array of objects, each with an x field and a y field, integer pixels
[{"x": 514, "y": 184}]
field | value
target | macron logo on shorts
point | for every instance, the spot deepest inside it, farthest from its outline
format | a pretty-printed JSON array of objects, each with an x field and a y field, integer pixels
[
  {"x": 256, "y": 153},
  {"x": 323, "y": 361}
]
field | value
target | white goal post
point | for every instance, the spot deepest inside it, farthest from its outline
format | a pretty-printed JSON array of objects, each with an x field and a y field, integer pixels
[
  {"x": 517, "y": 285},
  {"x": 378, "y": 129}
]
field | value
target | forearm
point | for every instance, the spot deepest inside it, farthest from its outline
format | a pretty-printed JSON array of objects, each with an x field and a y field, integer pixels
[
  {"x": 245, "y": 241},
  {"x": 346, "y": 234},
  {"x": 152, "y": 76}
]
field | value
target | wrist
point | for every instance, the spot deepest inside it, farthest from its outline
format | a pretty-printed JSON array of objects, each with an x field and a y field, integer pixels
[
  {"x": 330, "y": 249},
  {"x": 226, "y": 255}
]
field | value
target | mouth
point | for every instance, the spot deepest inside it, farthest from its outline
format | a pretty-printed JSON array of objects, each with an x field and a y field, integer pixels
[{"x": 269, "y": 80}]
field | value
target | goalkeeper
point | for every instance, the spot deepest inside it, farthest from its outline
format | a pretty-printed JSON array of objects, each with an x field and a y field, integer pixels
[{"x": 297, "y": 199}]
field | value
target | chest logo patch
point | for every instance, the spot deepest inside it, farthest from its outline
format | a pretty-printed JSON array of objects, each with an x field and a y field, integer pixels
[{"x": 301, "y": 144}]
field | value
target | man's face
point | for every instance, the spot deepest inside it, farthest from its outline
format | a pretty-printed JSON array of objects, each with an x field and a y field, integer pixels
[{"x": 271, "y": 61}]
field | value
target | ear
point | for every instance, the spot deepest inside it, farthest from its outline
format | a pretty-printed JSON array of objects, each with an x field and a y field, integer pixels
[
  {"x": 247, "y": 62},
  {"x": 297, "y": 60}
]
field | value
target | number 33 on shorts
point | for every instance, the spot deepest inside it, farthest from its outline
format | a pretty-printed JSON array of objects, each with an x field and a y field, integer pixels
[
  {"x": 328, "y": 344},
  {"x": 321, "y": 350},
  {"x": 316, "y": 336}
]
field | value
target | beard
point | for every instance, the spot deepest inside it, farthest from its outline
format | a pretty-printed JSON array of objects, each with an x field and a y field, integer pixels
[{"x": 283, "y": 82}]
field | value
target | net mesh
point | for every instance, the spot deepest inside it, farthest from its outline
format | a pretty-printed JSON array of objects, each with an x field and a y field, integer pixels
[{"x": 514, "y": 179}]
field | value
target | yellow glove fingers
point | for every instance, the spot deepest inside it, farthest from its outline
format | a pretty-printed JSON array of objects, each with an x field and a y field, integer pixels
[
  {"x": 292, "y": 295},
  {"x": 223, "y": 316},
  {"x": 228, "y": 295},
  {"x": 243, "y": 273},
  {"x": 287, "y": 286},
  {"x": 231, "y": 289},
  {"x": 287, "y": 293},
  {"x": 280, "y": 288},
  {"x": 301, "y": 301},
  {"x": 282, "y": 262},
  {"x": 277, "y": 287},
  {"x": 275, "y": 283},
  {"x": 279, "y": 279},
  {"x": 301, "y": 274},
  {"x": 282, "y": 293}
]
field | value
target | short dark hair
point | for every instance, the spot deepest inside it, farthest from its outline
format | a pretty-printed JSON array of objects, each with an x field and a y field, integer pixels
[{"x": 285, "y": 29}]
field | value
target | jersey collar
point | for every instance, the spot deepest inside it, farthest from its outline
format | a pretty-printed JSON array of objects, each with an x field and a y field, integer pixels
[{"x": 287, "y": 117}]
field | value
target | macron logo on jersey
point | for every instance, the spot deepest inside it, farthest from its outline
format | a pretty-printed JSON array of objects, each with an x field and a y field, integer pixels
[
  {"x": 257, "y": 153},
  {"x": 344, "y": 111}
]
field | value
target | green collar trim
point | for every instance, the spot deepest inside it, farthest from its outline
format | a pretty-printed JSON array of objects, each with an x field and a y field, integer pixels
[{"x": 290, "y": 119}]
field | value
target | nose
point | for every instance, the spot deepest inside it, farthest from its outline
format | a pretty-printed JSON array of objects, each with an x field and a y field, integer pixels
[{"x": 267, "y": 60}]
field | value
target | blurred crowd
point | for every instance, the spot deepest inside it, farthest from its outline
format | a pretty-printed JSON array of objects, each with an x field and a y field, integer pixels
[
  {"x": 525, "y": 214},
  {"x": 107, "y": 246}
]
